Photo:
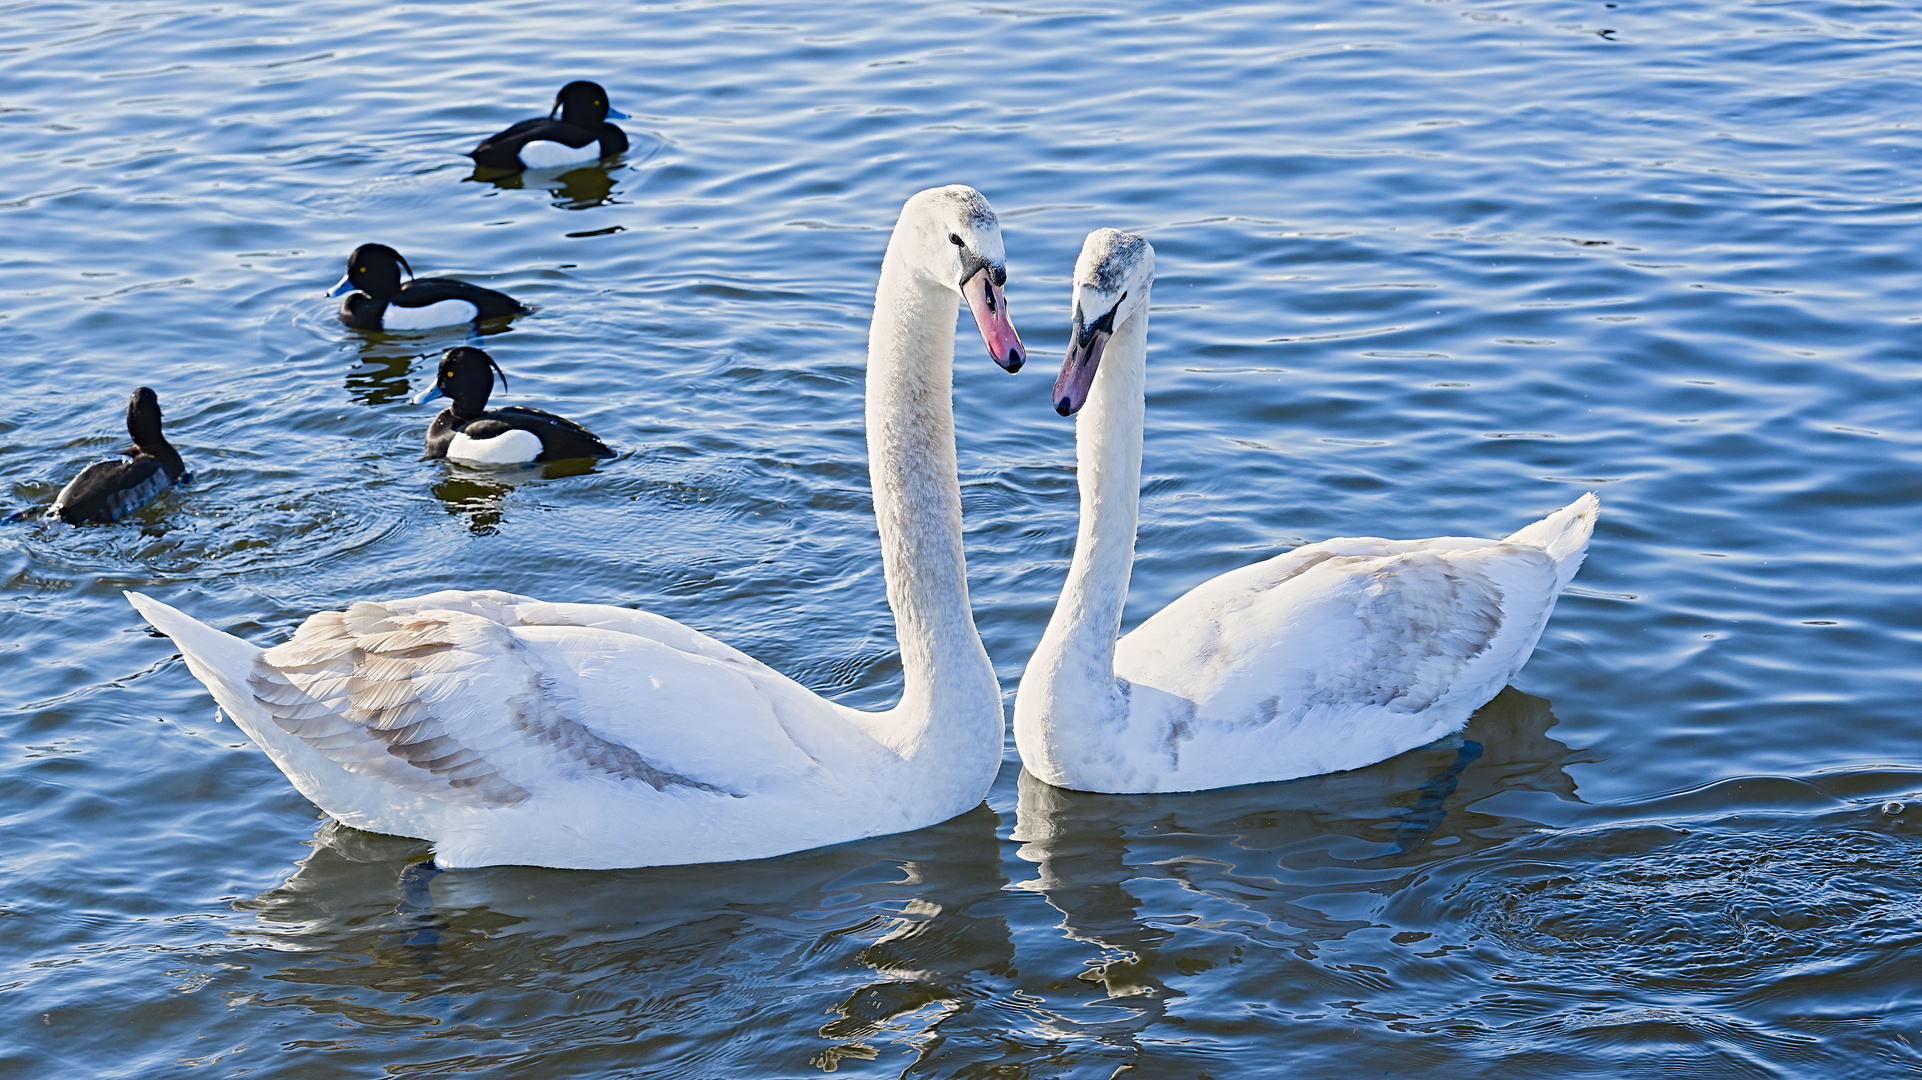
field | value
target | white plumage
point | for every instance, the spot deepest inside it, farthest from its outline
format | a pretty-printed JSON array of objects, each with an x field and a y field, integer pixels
[
  {"x": 1332, "y": 656},
  {"x": 548, "y": 154},
  {"x": 428, "y": 316},
  {"x": 513, "y": 447},
  {"x": 507, "y": 730}
]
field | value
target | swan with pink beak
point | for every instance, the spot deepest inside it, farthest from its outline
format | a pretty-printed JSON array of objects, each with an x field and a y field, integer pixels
[
  {"x": 1328, "y": 657},
  {"x": 510, "y": 730}
]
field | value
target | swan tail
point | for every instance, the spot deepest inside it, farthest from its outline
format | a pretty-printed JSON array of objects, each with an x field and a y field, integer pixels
[
  {"x": 1564, "y": 535},
  {"x": 219, "y": 660}
]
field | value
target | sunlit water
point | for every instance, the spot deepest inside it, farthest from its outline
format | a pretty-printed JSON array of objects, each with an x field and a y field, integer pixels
[{"x": 1425, "y": 268}]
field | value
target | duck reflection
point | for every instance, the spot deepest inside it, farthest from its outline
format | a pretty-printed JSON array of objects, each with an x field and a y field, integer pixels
[
  {"x": 386, "y": 360},
  {"x": 381, "y": 377},
  {"x": 574, "y": 189},
  {"x": 476, "y": 497},
  {"x": 1298, "y": 863},
  {"x": 480, "y": 496}
]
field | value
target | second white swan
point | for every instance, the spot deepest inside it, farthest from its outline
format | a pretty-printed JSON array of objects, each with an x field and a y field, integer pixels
[
  {"x": 1332, "y": 656},
  {"x": 507, "y": 730}
]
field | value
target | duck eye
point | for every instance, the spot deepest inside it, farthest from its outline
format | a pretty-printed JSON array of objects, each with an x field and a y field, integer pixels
[{"x": 953, "y": 239}]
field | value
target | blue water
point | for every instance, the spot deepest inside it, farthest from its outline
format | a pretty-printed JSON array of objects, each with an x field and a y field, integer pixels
[{"x": 1425, "y": 268}]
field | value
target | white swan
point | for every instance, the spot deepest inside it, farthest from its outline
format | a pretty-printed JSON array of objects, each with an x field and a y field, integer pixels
[
  {"x": 1332, "y": 656},
  {"x": 507, "y": 730}
]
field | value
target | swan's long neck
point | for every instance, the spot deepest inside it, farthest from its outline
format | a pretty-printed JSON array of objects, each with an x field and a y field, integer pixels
[
  {"x": 1073, "y": 668},
  {"x": 951, "y": 703}
]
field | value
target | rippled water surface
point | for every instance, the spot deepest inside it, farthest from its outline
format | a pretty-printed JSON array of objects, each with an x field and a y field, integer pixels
[{"x": 1425, "y": 268}]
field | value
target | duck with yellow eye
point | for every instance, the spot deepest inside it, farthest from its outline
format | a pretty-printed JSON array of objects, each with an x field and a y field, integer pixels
[
  {"x": 377, "y": 299},
  {"x": 469, "y": 432},
  {"x": 574, "y": 132}
]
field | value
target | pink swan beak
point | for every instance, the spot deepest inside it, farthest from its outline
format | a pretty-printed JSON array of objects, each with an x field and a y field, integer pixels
[{"x": 990, "y": 309}]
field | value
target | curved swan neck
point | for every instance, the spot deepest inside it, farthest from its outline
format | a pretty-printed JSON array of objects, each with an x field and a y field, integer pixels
[
  {"x": 917, "y": 507},
  {"x": 1080, "y": 641}
]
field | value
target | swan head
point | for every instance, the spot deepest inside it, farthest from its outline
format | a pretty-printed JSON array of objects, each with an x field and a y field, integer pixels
[
  {"x": 1111, "y": 281},
  {"x": 951, "y": 234}
]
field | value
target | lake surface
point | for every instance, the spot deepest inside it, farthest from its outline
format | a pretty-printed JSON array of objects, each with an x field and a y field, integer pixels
[{"x": 1425, "y": 268}]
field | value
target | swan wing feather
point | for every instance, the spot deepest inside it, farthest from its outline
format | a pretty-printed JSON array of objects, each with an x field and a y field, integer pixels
[
  {"x": 486, "y": 699},
  {"x": 819, "y": 730},
  {"x": 1344, "y": 625}
]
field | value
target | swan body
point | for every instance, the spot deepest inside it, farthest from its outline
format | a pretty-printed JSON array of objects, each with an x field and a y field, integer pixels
[
  {"x": 1331, "y": 656},
  {"x": 507, "y": 730}
]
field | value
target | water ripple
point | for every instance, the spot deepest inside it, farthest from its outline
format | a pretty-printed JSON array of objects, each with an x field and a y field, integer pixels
[{"x": 1425, "y": 269}]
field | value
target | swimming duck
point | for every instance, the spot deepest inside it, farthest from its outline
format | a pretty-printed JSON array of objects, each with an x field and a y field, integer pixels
[
  {"x": 1331, "y": 656},
  {"x": 467, "y": 431},
  {"x": 377, "y": 300},
  {"x": 109, "y": 490},
  {"x": 508, "y": 730},
  {"x": 581, "y": 134}
]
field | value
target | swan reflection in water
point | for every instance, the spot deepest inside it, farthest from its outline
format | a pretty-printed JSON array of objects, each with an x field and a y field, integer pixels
[
  {"x": 910, "y": 953},
  {"x": 870, "y": 948},
  {"x": 1159, "y": 888}
]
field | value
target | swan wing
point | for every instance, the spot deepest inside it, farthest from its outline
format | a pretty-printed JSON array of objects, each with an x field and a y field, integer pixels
[
  {"x": 1345, "y": 626},
  {"x": 487, "y": 699},
  {"x": 675, "y": 635}
]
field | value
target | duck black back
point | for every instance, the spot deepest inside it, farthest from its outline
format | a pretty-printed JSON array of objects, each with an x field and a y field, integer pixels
[
  {"x": 467, "y": 430},
  {"x": 109, "y": 490},
  {"x": 583, "y": 111},
  {"x": 381, "y": 301}
]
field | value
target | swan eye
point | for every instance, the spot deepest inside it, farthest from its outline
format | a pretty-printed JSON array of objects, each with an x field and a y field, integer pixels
[{"x": 953, "y": 239}]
